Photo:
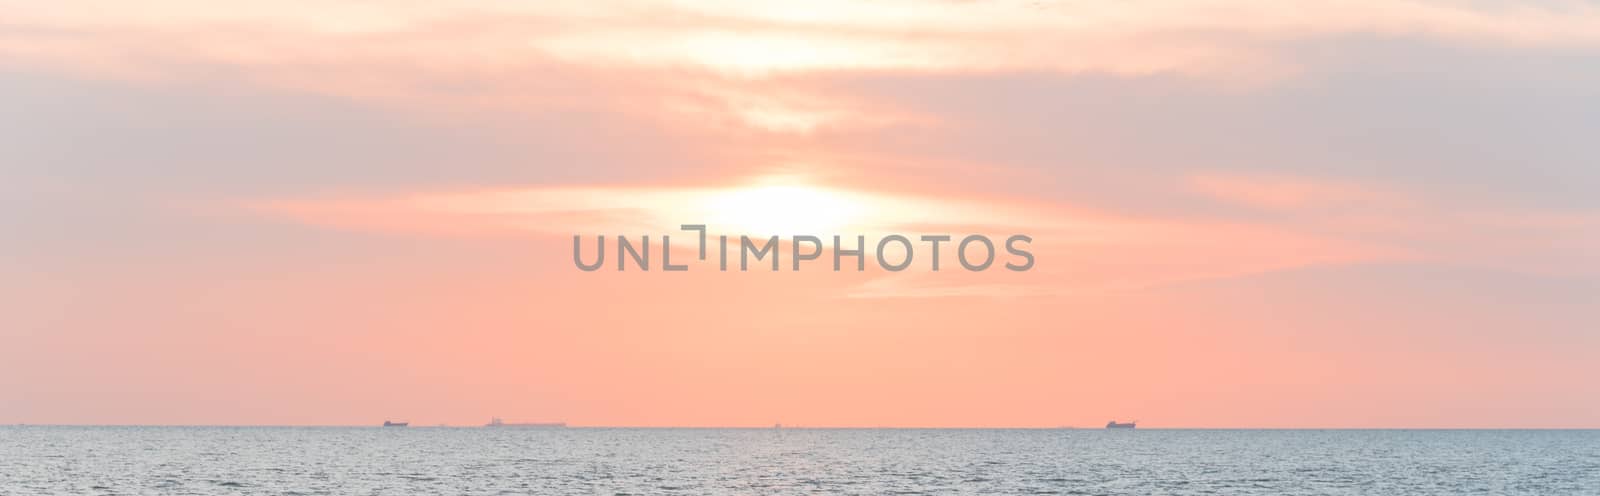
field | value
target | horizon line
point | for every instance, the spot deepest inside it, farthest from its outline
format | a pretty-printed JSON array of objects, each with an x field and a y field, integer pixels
[{"x": 818, "y": 427}]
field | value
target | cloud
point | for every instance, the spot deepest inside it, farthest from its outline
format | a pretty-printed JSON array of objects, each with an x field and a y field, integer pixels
[
  {"x": 1090, "y": 120},
  {"x": 1080, "y": 251},
  {"x": 757, "y": 38},
  {"x": 1284, "y": 205},
  {"x": 497, "y": 54},
  {"x": 742, "y": 206},
  {"x": 1285, "y": 193}
]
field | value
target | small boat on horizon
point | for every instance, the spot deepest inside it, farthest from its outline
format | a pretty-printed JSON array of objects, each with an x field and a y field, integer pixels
[
  {"x": 1121, "y": 425},
  {"x": 497, "y": 422},
  {"x": 387, "y": 423}
]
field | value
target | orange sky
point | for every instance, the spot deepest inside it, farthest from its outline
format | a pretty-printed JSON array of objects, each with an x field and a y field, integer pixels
[{"x": 1361, "y": 214}]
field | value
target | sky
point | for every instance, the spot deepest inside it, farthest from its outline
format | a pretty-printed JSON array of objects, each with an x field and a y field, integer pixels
[{"x": 1352, "y": 213}]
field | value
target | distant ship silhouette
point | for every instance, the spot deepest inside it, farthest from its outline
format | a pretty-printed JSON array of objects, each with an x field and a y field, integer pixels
[
  {"x": 496, "y": 422},
  {"x": 1121, "y": 425},
  {"x": 387, "y": 423}
]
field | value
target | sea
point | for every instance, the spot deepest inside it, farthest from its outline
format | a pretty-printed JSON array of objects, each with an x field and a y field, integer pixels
[{"x": 612, "y": 461}]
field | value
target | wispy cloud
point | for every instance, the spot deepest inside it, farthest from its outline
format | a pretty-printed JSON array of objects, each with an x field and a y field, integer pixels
[{"x": 1287, "y": 188}]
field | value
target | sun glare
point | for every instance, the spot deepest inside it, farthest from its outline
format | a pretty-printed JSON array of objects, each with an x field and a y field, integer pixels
[{"x": 783, "y": 210}]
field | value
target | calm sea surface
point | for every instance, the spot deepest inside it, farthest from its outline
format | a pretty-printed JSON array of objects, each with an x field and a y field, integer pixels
[{"x": 350, "y": 460}]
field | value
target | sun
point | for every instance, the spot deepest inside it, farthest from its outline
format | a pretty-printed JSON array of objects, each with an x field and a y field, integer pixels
[{"x": 783, "y": 210}]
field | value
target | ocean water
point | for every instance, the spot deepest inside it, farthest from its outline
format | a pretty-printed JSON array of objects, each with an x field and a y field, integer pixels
[{"x": 374, "y": 460}]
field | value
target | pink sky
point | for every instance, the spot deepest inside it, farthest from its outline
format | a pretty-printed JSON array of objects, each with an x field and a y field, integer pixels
[{"x": 1244, "y": 214}]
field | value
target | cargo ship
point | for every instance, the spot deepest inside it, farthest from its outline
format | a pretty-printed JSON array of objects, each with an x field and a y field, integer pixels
[
  {"x": 387, "y": 423},
  {"x": 496, "y": 422},
  {"x": 1121, "y": 425}
]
